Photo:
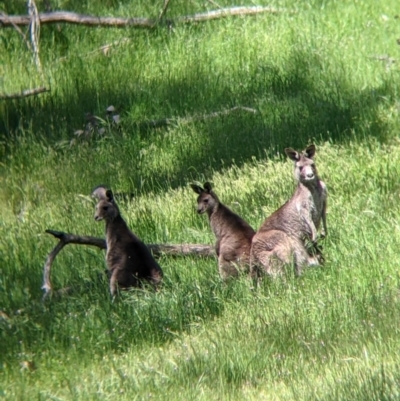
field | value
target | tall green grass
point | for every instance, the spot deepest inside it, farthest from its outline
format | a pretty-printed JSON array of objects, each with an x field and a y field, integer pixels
[{"x": 311, "y": 76}]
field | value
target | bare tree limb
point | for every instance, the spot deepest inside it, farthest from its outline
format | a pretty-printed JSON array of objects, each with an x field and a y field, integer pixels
[
  {"x": 168, "y": 121},
  {"x": 65, "y": 239},
  {"x": 34, "y": 28},
  {"x": 104, "y": 49},
  {"x": 156, "y": 249},
  {"x": 18, "y": 29},
  {"x": 80, "y": 19},
  {"x": 202, "y": 250},
  {"x": 119, "y": 22},
  {"x": 25, "y": 93},
  {"x": 229, "y": 12}
]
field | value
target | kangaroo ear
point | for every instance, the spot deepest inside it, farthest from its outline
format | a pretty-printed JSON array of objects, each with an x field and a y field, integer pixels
[
  {"x": 292, "y": 154},
  {"x": 109, "y": 195},
  {"x": 100, "y": 192},
  {"x": 207, "y": 187},
  {"x": 197, "y": 188},
  {"x": 310, "y": 151}
]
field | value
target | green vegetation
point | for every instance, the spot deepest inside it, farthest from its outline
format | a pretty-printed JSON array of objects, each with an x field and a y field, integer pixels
[{"x": 312, "y": 76}]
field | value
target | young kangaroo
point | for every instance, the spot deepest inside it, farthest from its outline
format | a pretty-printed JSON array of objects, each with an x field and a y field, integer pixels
[
  {"x": 128, "y": 259},
  {"x": 233, "y": 234},
  {"x": 283, "y": 235}
]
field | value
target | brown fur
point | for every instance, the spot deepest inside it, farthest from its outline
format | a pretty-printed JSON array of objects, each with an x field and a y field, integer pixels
[
  {"x": 282, "y": 237},
  {"x": 128, "y": 259},
  {"x": 232, "y": 233}
]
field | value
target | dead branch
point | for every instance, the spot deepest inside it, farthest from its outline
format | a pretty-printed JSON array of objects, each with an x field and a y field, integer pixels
[
  {"x": 25, "y": 93},
  {"x": 104, "y": 49},
  {"x": 79, "y": 19},
  {"x": 168, "y": 121},
  {"x": 18, "y": 29},
  {"x": 119, "y": 22},
  {"x": 65, "y": 239},
  {"x": 156, "y": 249},
  {"x": 229, "y": 12},
  {"x": 34, "y": 28}
]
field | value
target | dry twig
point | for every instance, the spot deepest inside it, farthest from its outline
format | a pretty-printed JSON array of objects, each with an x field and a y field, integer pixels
[
  {"x": 25, "y": 93},
  {"x": 168, "y": 121},
  {"x": 229, "y": 12},
  {"x": 18, "y": 29},
  {"x": 34, "y": 28},
  {"x": 104, "y": 49}
]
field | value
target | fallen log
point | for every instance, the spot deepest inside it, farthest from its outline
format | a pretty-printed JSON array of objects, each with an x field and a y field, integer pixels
[
  {"x": 156, "y": 249},
  {"x": 68, "y": 17},
  {"x": 135, "y": 22}
]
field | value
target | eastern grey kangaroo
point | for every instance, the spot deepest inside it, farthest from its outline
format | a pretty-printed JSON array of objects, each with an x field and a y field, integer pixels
[
  {"x": 128, "y": 259},
  {"x": 233, "y": 234},
  {"x": 282, "y": 237}
]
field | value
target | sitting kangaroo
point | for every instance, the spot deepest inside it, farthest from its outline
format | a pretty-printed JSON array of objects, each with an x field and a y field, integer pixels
[
  {"x": 233, "y": 234},
  {"x": 129, "y": 261},
  {"x": 283, "y": 235}
]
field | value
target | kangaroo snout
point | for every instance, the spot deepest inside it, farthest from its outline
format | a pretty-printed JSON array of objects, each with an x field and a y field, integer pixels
[{"x": 98, "y": 218}]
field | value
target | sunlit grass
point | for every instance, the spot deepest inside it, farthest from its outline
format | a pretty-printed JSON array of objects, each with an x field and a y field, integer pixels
[{"x": 312, "y": 76}]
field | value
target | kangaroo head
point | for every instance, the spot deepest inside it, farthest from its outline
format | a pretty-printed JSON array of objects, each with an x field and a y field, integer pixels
[
  {"x": 304, "y": 167},
  {"x": 207, "y": 200},
  {"x": 106, "y": 208}
]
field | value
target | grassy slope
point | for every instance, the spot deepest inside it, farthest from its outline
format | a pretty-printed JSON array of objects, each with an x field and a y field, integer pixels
[{"x": 332, "y": 334}]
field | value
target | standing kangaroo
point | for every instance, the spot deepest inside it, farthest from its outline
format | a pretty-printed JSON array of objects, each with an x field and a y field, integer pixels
[
  {"x": 233, "y": 234},
  {"x": 283, "y": 235},
  {"x": 128, "y": 259}
]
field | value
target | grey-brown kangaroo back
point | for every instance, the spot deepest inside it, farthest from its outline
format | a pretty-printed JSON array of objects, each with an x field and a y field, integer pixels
[
  {"x": 233, "y": 234},
  {"x": 283, "y": 236},
  {"x": 128, "y": 259}
]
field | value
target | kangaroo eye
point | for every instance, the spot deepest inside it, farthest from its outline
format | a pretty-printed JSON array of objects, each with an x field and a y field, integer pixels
[{"x": 105, "y": 208}]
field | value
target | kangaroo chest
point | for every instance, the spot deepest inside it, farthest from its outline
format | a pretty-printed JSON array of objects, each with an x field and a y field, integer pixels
[
  {"x": 109, "y": 251},
  {"x": 311, "y": 203},
  {"x": 114, "y": 256}
]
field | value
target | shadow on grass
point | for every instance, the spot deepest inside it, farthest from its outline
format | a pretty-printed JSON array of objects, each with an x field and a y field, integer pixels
[
  {"x": 87, "y": 319},
  {"x": 294, "y": 108}
]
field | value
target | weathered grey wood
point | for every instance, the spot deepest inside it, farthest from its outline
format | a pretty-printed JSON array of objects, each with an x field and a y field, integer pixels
[
  {"x": 119, "y": 22},
  {"x": 199, "y": 117},
  {"x": 75, "y": 18},
  {"x": 229, "y": 12}
]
